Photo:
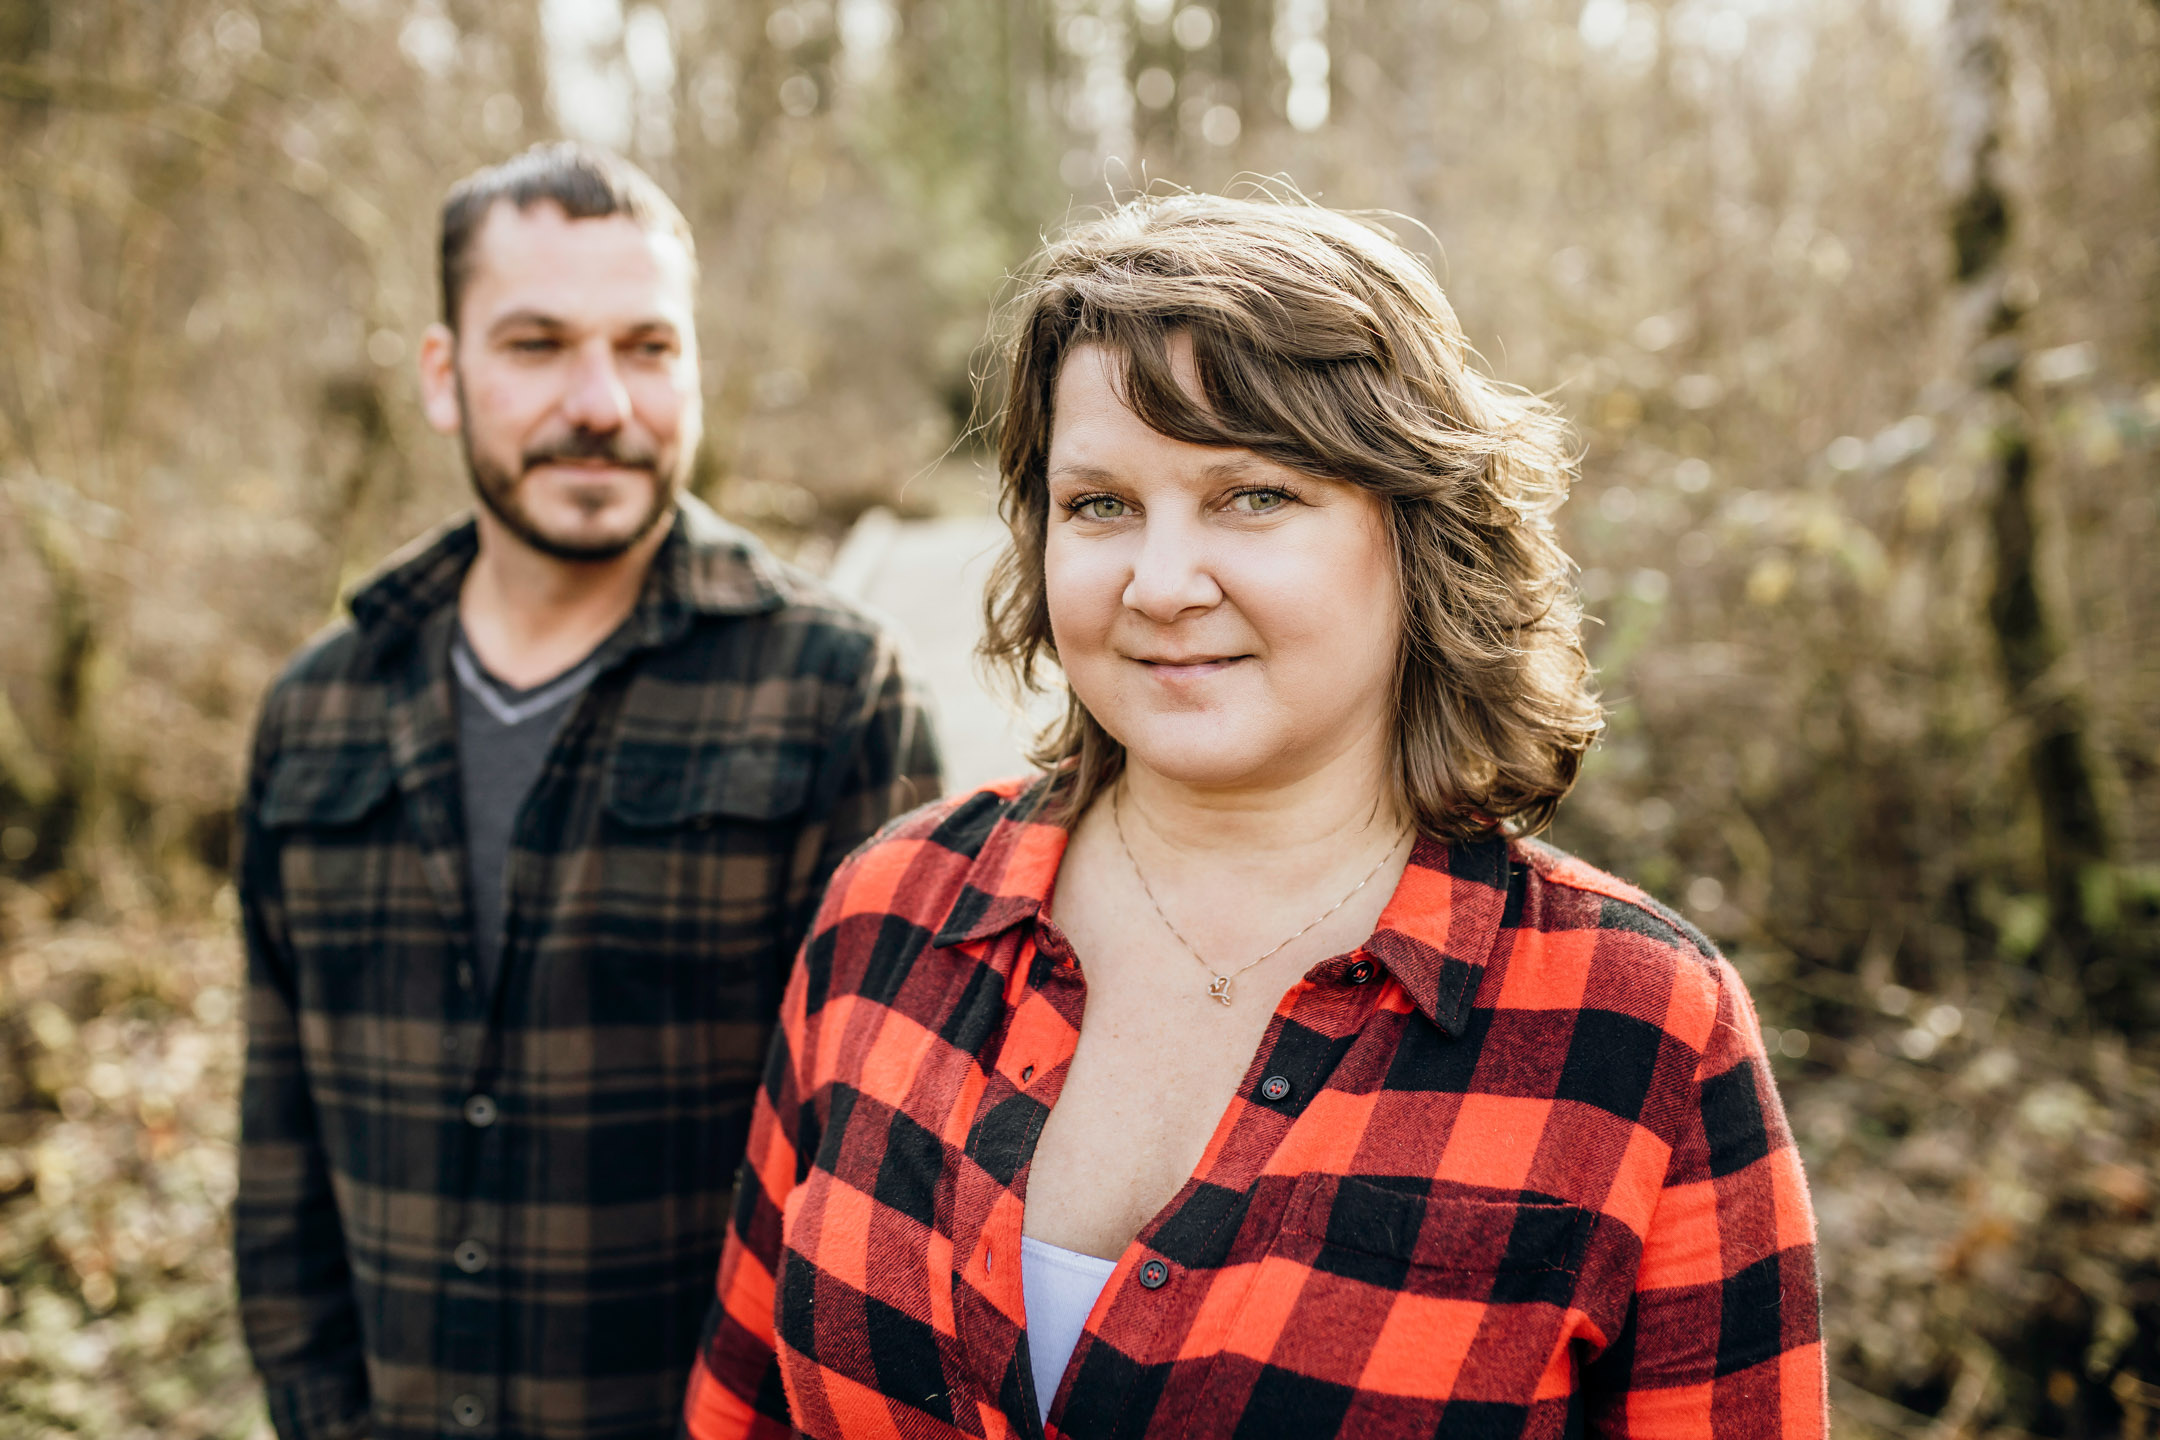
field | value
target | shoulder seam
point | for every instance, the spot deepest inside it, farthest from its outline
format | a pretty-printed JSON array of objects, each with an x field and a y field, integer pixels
[
  {"x": 342, "y": 630},
  {"x": 1567, "y": 875}
]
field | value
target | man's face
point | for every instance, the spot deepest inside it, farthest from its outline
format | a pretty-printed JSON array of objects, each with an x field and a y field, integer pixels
[{"x": 572, "y": 378}]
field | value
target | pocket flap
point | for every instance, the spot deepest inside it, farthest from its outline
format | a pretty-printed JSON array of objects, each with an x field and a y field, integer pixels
[
  {"x": 754, "y": 781},
  {"x": 325, "y": 787},
  {"x": 1444, "y": 1231}
]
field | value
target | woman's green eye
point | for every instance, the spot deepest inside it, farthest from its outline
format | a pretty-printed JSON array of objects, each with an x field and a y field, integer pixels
[
  {"x": 1101, "y": 507},
  {"x": 1257, "y": 502}
]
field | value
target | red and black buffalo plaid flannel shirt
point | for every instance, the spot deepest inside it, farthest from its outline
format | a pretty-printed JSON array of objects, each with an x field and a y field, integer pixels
[{"x": 1525, "y": 1173}]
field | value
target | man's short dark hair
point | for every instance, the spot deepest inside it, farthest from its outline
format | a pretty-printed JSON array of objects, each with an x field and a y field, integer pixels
[{"x": 587, "y": 182}]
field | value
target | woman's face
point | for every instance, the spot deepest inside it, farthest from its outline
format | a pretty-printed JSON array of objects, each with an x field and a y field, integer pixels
[{"x": 1231, "y": 622}]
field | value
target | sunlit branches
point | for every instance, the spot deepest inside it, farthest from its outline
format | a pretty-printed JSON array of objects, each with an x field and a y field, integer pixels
[
  {"x": 1098, "y": 98},
  {"x": 1301, "y": 41}
]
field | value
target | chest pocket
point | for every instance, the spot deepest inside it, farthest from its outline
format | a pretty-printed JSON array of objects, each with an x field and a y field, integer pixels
[
  {"x": 693, "y": 864},
  {"x": 1450, "y": 1245},
  {"x": 326, "y": 789},
  {"x": 334, "y": 818},
  {"x": 1397, "y": 1294},
  {"x": 759, "y": 782}
]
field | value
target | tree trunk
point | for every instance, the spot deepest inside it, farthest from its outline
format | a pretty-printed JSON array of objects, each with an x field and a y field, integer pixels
[
  {"x": 25, "y": 29},
  {"x": 64, "y": 817},
  {"x": 2075, "y": 844}
]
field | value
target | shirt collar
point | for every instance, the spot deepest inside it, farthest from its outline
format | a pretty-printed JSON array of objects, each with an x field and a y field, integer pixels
[
  {"x": 1442, "y": 924},
  {"x": 705, "y": 566},
  {"x": 1435, "y": 936}
]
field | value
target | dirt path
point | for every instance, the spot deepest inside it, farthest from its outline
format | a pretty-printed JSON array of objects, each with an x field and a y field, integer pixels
[{"x": 926, "y": 576}]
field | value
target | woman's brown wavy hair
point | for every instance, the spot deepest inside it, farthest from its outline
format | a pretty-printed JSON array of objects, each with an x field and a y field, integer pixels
[{"x": 1324, "y": 345}]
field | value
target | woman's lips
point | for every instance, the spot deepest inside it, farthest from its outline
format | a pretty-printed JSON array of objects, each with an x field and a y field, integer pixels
[{"x": 1191, "y": 669}]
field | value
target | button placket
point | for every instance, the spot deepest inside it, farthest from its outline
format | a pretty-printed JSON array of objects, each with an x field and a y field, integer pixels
[
  {"x": 1298, "y": 1058},
  {"x": 474, "y": 1298}
]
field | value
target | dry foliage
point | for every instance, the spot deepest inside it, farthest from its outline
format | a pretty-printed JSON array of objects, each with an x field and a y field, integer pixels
[
  {"x": 120, "y": 1087},
  {"x": 1720, "y": 232}
]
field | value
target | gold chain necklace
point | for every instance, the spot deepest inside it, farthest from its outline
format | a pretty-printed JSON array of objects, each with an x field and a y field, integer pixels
[{"x": 1219, "y": 983}]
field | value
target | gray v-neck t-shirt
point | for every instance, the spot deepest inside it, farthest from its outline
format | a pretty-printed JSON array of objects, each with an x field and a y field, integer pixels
[{"x": 504, "y": 735}]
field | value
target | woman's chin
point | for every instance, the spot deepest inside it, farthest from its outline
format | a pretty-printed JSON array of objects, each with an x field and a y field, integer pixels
[{"x": 1220, "y": 765}]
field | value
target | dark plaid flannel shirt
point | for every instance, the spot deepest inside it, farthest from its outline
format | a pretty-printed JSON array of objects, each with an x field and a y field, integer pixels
[
  {"x": 1514, "y": 1167},
  {"x": 496, "y": 1214}
]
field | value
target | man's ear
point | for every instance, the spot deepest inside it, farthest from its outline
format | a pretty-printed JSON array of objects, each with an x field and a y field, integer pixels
[{"x": 438, "y": 380}]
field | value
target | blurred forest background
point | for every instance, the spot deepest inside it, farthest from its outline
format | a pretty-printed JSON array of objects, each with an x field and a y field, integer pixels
[{"x": 1856, "y": 304}]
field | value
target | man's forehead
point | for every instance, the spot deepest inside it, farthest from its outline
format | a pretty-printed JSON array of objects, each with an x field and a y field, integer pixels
[{"x": 538, "y": 257}]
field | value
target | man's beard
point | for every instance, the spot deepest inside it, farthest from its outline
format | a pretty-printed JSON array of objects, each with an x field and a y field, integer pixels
[{"x": 497, "y": 490}]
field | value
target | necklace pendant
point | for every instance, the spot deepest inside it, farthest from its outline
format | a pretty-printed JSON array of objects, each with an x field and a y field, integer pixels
[{"x": 1219, "y": 988}]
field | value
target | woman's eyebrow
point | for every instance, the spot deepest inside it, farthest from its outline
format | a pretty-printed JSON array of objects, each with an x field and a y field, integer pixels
[
  {"x": 1074, "y": 470},
  {"x": 1236, "y": 468}
]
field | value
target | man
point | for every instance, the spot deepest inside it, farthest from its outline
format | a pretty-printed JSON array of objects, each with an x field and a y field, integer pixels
[{"x": 528, "y": 845}]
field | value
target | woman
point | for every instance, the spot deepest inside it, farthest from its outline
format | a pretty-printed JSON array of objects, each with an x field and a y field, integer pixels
[{"x": 1252, "y": 1073}]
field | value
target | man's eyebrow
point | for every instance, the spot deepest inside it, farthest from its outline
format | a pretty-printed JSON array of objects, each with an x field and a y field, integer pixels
[
  {"x": 541, "y": 320},
  {"x": 526, "y": 320}
]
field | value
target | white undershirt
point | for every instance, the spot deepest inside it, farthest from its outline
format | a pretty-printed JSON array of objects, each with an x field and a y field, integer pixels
[{"x": 1059, "y": 1288}]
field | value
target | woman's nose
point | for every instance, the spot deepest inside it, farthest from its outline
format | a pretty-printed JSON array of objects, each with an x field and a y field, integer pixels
[{"x": 1171, "y": 574}]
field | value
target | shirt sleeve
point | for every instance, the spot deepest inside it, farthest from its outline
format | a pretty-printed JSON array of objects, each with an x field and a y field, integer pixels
[
  {"x": 296, "y": 1302},
  {"x": 1723, "y": 1340},
  {"x": 735, "y": 1391},
  {"x": 882, "y": 762}
]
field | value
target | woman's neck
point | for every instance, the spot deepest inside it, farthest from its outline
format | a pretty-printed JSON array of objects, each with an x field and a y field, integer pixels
[{"x": 1299, "y": 825}]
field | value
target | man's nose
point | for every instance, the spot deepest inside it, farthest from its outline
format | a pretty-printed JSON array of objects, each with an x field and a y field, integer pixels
[
  {"x": 1171, "y": 574},
  {"x": 596, "y": 399}
]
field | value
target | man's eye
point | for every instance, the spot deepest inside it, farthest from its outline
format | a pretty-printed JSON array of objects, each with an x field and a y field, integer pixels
[
  {"x": 1100, "y": 507},
  {"x": 534, "y": 345},
  {"x": 1259, "y": 502},
  {"x": 653, "y": 349}
]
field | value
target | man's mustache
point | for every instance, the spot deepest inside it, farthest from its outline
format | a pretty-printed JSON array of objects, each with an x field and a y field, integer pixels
[{"x": 585, "y": 445}]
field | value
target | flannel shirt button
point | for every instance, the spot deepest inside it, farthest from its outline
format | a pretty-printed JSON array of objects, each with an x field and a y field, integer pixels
[
  {"x": 480, "y": 1111},
  {"x": 1275, "y": 1087},
  {"x": 1027, "y": 1074},
  {"x": 468, "y": 1411},
  {"x": 1361, "y": 972},
  {"x": 1154, "y": 1274},
  {"x": 471, "y": 1257}
]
